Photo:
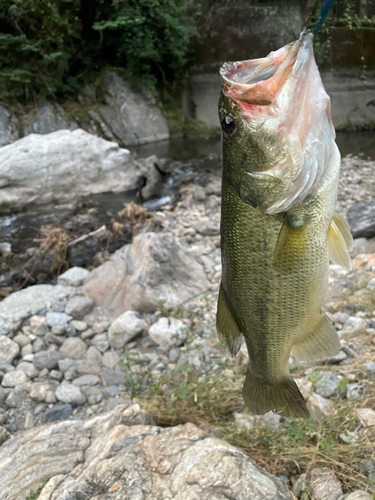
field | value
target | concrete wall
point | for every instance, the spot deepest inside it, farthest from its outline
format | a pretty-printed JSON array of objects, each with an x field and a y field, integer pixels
[{"x": 234, "y": 30}]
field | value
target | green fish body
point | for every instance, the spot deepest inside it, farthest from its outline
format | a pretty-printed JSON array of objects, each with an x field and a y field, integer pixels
[{"x": 277, "y": 234}]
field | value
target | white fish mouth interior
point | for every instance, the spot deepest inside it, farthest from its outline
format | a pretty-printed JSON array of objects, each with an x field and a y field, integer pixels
[{"x": 255, "y": 73}]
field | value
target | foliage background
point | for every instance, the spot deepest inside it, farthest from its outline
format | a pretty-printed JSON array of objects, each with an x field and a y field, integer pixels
[{"x": 51, "y": 47}]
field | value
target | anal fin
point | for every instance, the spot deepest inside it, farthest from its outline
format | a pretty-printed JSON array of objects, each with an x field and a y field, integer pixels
[
  {"x": 339, "y": 241},
  {"x": 227, "y": 328},
  {"x": 321, "y": 342}
]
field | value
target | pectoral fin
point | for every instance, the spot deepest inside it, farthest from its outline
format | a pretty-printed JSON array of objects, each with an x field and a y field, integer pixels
[
  {"x": 227, "y": 328},
  {"x": 319, "y": 343},
  {"x": 291, "y": 247},
  {"x": 339, "y": 241}
]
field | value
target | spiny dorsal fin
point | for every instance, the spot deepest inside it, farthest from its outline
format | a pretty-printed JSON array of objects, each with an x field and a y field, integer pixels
[
  {"x": 227, "y": 328},
  {"x": 339, "y": 241}
]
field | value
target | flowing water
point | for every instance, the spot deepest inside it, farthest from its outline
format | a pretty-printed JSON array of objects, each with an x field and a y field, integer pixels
[{"x": 194, "y": 160}]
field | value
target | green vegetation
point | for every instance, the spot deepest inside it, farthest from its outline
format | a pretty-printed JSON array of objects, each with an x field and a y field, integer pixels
[
  {"x": 34, "y": 495},
  {"x": 51, "y": 47}
]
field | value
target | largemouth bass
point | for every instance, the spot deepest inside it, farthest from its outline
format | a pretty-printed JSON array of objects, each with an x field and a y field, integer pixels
[{"x": 278, "y": 227}]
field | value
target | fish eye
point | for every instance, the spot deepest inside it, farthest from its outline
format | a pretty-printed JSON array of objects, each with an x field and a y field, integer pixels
[{"x": 228, "y": 125}]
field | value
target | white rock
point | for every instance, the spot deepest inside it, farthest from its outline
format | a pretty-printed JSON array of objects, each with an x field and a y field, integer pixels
[
  {"x": 11, "y": 379},
  {"x": 57, "y": 318},
  {"x": 28, "y": 368},
  {"x": 27, "y": 302},
  {"x": 125, "y": 328},
  {"x": 153, "y": 267},
  {"x": 68, "y": 393},
  {"x": 366, "y": 416},
  {"x": 8, "y": 349},
  {"x": 168, "y": 332},
  {"x": 371, "y": 285},
  {"x": 73, "y": 276},
  {"x": 320, "y": 408},
  {"x": 359, "y": 495},
  {"x": 79, "y": 306},
  {"x": 352, "y": 328},
  {"x": 73, "y": 348},
  {"x": 38, "y": 325},
  {"x": 62, "y": 166}
]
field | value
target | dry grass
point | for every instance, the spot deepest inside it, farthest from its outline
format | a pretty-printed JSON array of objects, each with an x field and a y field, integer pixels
[
  {"x": 54, "y": 241},
  {"x": 209, "y": 402},
  {"x": 130, "y": 219}
]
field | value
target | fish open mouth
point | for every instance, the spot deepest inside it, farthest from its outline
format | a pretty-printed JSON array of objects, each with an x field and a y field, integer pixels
[{"x": 256, "y": 81}]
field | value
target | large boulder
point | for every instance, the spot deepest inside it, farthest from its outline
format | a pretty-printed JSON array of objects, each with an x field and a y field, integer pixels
[
  {"x": 25, "y": 303},
  {"x": 361, "y": 218},
  {"x": 118, "y": 456},
  {"x": 153, "y": 268},
  {"x": 8, "y": 127},
  {"x": 63, "y": 166},
  {"x": 47, "y": 118},
  {"x": 132, "y": 117}
]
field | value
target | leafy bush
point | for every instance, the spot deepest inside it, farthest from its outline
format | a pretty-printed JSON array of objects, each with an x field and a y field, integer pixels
[{"x": 49, "y": 47}]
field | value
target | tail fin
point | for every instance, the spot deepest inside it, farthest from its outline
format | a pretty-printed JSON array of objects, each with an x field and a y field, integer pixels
[{"x": 282, "y": 397}]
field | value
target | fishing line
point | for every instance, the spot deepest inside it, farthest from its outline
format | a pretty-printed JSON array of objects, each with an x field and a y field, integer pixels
[{"x": 323, "y": 12}]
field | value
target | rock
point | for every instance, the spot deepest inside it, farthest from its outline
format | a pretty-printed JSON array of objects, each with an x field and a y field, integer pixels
[
  {"x": 168, "y": 332},
  {"x": 74, "y": 348},
  {"x": 27, "y": 302},
  {"x": 371, "y": 285},
  {"x": 98, "y": 328},
  {"x": 3, "y": 395},
  {"x": 349, "y": 437},
  {"x": 320, "y": 408},
  {"x": 132, "y": 117},
  {"x": 246, "y": 421},
  {"x": 71, "y": 394},
  {"x": 47, "y": 359},
  {"x": 66, "y": 364},
  {"x": 327, "y": 384},
  {"x": 110, "y": 359},
  {"x": 8, "y": 127},
  {"x": 47, "y": 118},
  {"x": 80, "y": 326},
  {"x": 29, "y": 369},
  {"x": 121, "y": 454},
  {"x": 71, "y": 331},
  {"x": 88, "y": 367},
  {"x": 29, "y": 421},
  {"x": 73, "y": 276},
  {"x": 361, "y": 218},
  {"x": 112, "y": 377},
  {"x": 9, "y": 350},
  {"x": 369, "y": 368},
  {"x": 154, "y": 177},
  {"x": 3, "y": 434},
  {"x": 101, "y": 342},
  {"x": 6, "y": 367},
  {"x": 93, "y": 394},
  {"x": 63, "y": 166},
  {"x": 324, "y": 485},
  {"x": 16, "y": 397},
  {"x": 21, "y": 339},
  {"x": 39, "y": 345},
  {"x": 358, "y": 495},
  {"x": 39, "y": 390},
  {"x": 94, "y": 355},
  {"x": 174, "y": 354},
  {"x": 27, "y": 350},
  {"x": 125, "y": 328},
  {"x": 49, "y": 338},
  {"x": 353, "y": 327},
  {"x": 366, "y": 416},
  {"x": 86, "y": 380},
  {"x": 353, "y": 391},
  {"x": 79, "y": 306},
  {"x": 152, "y": 268},
  {"x": 57, "y": 318},
  {"x": 38, "y": 325},
  {"x": 12, "y": 379},
  {"x": 207, "y": 227},
  {"x": 58, "y": 412},
  {"x": 88, "y": 334}
]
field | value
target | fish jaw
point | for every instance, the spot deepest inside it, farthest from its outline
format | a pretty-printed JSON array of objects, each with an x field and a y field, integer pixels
[{"x": 291, "y": 106}]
